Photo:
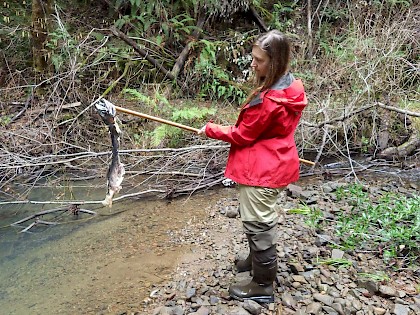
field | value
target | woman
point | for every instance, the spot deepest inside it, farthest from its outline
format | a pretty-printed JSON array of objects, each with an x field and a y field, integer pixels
[{"x": 263, "y": 158}]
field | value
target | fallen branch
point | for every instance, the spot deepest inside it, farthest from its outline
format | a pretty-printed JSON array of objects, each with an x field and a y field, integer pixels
[
  {"x": 357, "y": 111},
  {"x": 45, "y": 212},
  {"x": 28, "y": 100},
  {"x": 257, "y": 18},
  {"x": 402, "y": 150},
  {"x": 180, "y": 61},
  {"x": 398, "y": 110},
  {"x": 143, "y": 53}
]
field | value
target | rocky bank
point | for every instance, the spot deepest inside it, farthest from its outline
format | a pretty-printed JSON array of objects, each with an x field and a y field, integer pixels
[{"x": 199, "y": 285}]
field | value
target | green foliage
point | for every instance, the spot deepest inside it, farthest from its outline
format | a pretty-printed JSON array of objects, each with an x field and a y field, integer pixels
[
  {"x": 392, "y": 3},
  {"x": 137, "y": 95},
  {"x": 379, "y": 277},
  {"x": 391, "y": 224},
  {"x": 153, "y": 19},
  {"x": 62, "y": 45},
  {"x": 336, "y": 262},
  {"x": 215, "y": 81},
  {"x": 5, "y": 120},
  {"x": 281, "y": 17},
  {"x": 314, "y": 215},
  {"x": 187, "y": 115},
  {"x": 15, "y": 33}
]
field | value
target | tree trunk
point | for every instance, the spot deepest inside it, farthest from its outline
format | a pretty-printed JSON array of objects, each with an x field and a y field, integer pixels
[{"x": 41, "y": 12}]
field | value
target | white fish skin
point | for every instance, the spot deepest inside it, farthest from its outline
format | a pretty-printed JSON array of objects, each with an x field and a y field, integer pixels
[{"x": 116, "y": 171}]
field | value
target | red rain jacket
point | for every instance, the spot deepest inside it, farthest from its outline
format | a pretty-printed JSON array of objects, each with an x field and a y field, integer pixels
[{"x": 263, "y": 150}]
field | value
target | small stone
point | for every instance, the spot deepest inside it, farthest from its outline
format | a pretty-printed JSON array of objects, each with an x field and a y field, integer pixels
[
  {"x": 399, "y": 309},
  {"x": 339, "y": 308},
  {"x": 190, "y": 293},
  {"x": 296, "y": 268},
  {"x": 322, "y": 239},
  {"x": 369, "y": 285},
  {"x": 203, "y": 311},
  {"x": 231, "y": 212},
  {"x": 294, "y": 190},
  {"x": 337, "y": 254},
  {"x": 299, "y": 279},
  {"x": 288, "y": 300},
  {"x": 314, "y": 308},
  {"x": 387, "y": 290},
  {"x": 252, "y": 307},
  {"x": 379, "y": 311},
  {"x": 330, "y": 310},
  {"x": 324, "y": 298}
]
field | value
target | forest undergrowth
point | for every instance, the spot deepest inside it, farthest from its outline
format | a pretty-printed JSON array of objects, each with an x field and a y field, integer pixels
[{"x": 188, "y": 61}]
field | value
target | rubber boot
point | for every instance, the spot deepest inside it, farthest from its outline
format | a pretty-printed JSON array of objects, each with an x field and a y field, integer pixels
[
  {"x": 260, "y": 289},
  {"x": 245, "y": 264}
]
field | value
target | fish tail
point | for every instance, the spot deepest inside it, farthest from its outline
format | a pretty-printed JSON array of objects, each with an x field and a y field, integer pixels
[{"x": 107, "y": 201}]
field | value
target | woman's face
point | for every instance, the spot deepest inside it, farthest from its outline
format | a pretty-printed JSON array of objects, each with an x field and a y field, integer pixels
[{"x": 260, "y": 62}]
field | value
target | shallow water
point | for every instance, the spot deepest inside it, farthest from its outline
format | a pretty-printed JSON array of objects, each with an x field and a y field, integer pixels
[{"x": 102, "y": 265}]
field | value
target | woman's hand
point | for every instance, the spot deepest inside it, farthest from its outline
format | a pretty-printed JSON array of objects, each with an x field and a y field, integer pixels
[{"x": 202, "y": 131}]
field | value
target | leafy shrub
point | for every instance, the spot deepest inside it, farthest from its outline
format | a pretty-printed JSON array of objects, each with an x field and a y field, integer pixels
[{"x": 390, "y": 224}]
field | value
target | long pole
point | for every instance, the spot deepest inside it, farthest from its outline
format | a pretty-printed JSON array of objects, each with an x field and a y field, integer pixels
[
  {"x": 161, "y": 120},
  {"x": 172, "y": 123}
]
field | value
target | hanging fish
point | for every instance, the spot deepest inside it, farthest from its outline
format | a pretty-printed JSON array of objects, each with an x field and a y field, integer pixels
[{"x": 115, "y": 174}]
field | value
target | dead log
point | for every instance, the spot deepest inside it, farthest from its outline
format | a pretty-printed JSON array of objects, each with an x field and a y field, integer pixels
[
  {"x": 143, "y": 53},
  {"x": 180, "y": 61},
  {"x": 403, "y": 150},
  {"x": 257, "y": 18}
]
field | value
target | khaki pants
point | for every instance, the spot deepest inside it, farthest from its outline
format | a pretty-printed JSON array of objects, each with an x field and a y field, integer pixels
[{"x": 257, "y": 207}]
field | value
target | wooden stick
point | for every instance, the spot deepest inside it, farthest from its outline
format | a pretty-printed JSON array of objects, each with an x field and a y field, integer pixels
[
  {"x": 172, "y": 123},
  {"x": 307, "y": 162},
  {"x": 164, "y": 121}
]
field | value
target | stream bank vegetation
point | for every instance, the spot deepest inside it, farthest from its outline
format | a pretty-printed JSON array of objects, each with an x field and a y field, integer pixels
[
  {"x": 188, "y": 61},
  {"x": 386, "y": 224}
]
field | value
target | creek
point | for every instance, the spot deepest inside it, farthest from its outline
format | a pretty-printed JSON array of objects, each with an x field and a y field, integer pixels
[{"x": 115, "y": 258}]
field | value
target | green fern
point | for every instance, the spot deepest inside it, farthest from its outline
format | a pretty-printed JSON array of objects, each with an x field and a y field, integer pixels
[
  {"x": 140, "y": 97},
  {"x": 187, "y": 115},
  {"x": 192, "y": 113}
]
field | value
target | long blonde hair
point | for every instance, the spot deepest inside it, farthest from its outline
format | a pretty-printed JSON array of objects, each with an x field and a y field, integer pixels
[{"x": 277, "y": 47}]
